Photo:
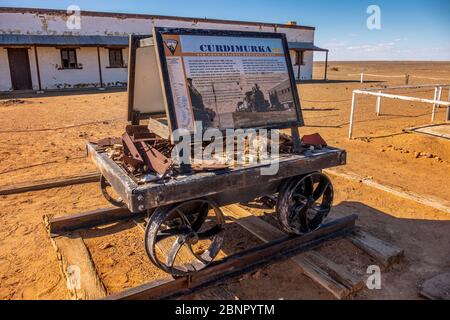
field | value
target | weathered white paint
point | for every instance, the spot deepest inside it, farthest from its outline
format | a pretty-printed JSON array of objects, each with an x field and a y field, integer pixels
[
  {"x": 113, "y": 76},
  {"x": 33, "y": 69},
  {"x": 55, "y": 24},
  {"x": 5, "y": 76},
  {"x": 306, "y": 69},
  {"x": 43, "y": 22},
  {"x": 53, "y": 77}
]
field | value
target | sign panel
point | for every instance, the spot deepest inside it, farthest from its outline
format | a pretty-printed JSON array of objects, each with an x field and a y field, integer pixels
[{"x": 228, "y": 79}]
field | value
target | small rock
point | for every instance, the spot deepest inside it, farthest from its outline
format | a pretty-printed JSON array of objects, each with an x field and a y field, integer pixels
[
  {"x": 105, "y": 246},
  {"x": 417, "y": 154}
]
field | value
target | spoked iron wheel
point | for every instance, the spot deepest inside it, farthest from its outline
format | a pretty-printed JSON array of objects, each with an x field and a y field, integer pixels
[
  {"x": 304, "y": 203},
  {"x": 110, "y": 195},
  {"x": 184, "y": 238}
]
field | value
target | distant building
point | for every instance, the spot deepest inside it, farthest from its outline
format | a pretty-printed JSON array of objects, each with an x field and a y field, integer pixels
[{"x": 38, "y": 51}]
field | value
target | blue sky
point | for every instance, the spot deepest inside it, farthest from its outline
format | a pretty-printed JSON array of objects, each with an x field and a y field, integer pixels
[{"x": 410, "y": 30}]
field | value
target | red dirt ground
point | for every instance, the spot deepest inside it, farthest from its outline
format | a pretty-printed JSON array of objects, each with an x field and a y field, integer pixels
[{"x": 28, "y": 265}]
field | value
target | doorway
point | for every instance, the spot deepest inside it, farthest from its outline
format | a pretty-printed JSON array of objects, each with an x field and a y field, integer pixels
[{"x": 19, "y": 66}]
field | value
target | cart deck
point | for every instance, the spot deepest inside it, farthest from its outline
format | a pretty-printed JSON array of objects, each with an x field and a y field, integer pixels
[{"x": 224, "y": 187}]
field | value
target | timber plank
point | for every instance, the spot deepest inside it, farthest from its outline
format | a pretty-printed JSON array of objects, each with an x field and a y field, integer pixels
[
  {"x": 159, "y": 128},
  {"x": 337, "y": 271},
  {"x": 77, "y": 267},
  {"x": 437, "y": 288},
  {"x": 49, "y": 183},
  {"x": 59, "y": 225},
  {"x": 321, "y": 277},
  {"x": 382, "y": 251}
]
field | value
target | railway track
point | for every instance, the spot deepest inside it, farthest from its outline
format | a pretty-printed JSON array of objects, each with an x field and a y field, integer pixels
[{"x": 277, "y": 246}]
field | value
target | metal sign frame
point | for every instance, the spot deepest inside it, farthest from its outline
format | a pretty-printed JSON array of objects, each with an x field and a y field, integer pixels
[{"x": 158, "y": 33}]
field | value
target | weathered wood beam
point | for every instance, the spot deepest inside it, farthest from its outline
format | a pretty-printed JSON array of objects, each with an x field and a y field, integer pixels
[
  {"x": 159, "y": 128},
  {"x": 437, "y": 288},
  {"x": 67, "y": 223},
  {"x": 385, "y": 253},
  {"x": 77, "y": 267},
  {"x": 336, "y": 271},
  {"x": 321, "y": 277},
  {"x": 49, "y": 183}
]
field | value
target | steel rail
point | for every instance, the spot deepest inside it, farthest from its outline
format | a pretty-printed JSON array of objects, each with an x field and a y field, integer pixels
[{"x": 238, "y": 264}]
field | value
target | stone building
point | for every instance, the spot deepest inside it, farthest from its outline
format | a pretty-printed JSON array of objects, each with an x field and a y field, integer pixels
[{"x": 40, "y": 49}]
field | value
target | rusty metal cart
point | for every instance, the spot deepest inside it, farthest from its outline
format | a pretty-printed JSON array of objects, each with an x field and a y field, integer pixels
[{"x": 184, "y": 232}]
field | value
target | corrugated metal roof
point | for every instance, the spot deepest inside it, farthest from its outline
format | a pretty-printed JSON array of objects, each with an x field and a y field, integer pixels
[
  {"x": 48, "y": 40},
  {"x": 305, "y": 46}
]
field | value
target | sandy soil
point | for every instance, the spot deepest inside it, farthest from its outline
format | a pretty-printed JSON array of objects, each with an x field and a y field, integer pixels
[{"x": 31, "y": 148}]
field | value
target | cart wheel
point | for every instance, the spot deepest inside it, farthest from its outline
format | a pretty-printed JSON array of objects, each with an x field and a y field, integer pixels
[
  {"x": 304, "y": 202},
  {"x": 109, "y": 193},
  {"x": 184, "y": 238}
]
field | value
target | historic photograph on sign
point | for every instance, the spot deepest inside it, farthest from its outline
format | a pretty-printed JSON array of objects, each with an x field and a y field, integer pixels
[{"x": 229, "y": 81}]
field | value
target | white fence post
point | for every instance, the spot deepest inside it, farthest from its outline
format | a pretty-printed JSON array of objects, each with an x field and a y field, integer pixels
[
  {"x": 434, "y": 105},
  {"x": 352, "y": 114},
  {"x": 448, "y": 108},
  {"x": 437, "y": 97},
  {"x": 436, "y": 101},
  {"x": 378, "y": 104},
  {"x": 362, "y": 77}
]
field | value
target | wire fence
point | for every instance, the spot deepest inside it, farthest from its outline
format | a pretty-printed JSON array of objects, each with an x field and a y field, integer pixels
[
  {"x": 106, "y": 121},
  {"x": 66, "y": 159}
]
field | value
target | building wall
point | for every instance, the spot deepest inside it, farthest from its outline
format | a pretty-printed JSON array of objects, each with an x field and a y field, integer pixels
[
  {"x": 5, "y": 76},
  {"x": 113, "y": 76},
  {"x": 33, "y": 68},
  {"x": 306, "y": 69},
  {"x": 55, "y": 24},
  {"x": 53, "y": 77},
  {"x": 44, "y": 23}
]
